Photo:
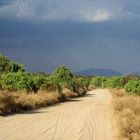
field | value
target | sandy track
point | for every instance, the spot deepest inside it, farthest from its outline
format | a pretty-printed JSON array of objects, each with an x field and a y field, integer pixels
[{"x": 86, "y": 118}]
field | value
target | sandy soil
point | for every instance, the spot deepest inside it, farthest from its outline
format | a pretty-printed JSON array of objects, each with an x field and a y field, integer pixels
[{"x": 85, "y": 118}]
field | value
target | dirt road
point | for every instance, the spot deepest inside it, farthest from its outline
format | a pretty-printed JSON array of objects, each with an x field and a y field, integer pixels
[{"x": 85, "y": 118}]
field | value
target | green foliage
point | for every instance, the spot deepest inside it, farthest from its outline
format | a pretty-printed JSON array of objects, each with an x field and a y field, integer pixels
[
  {"x": 62, "y": 76},
  {"x": 7, "y": 66},
  {"x": 84, "y": 82},
  {"x": 97, "y": 81},
  {"x": 113, "y": 82},
  {"x": 13, "y": 77},
  {"x": 40, "y": 74},
  {"x": 17, "y": 67},
  {"x": 17, "y": 81},
  {"x": 126, "y": 79},
  {"x": 39, "y": 81},
  {"x": 133, "y": 87}
]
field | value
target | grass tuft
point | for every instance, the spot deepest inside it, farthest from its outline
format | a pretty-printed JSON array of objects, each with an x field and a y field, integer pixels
[
  {"x": 127, "y": 109},
  {"x": 16, "y": 102}
]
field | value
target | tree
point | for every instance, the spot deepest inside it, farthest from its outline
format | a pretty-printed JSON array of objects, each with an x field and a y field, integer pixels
[
  {"x": 8, "y": 66},
  {"x": 62, "y": 76}
]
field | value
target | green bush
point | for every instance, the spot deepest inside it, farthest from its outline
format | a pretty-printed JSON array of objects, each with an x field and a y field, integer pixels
[
  {"x": 97, "y": 81},
  {"x": 133, "y": 87},
  {"x": 39, "y": 81},
  {"x": 13, "y": 78},
  {"x": 8, "y": 66},
  {"x": 104, "y": 82},
  {"x": 79, "y": 86},
  {"x": 61, "y": 77},
  {"x": 113, "y": 82},
  {"x": 84, "y": 82},
  {"x": 17, "y": 81},
  {"x": 127, "y": 78}
]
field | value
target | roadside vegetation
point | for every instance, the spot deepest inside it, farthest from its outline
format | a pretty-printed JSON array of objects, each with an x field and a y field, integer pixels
[
  {"x": 20, "y": 90},
  {"x": 126, "y": 102},
  {"x": 131, "y": 84},
  {"x": 127, "y": 111}
]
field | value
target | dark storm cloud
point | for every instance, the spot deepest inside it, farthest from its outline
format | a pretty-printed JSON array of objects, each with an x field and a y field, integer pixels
[
  {"x": 43, "y": 46},
  {"x": 56, "y": 30},
  {"x": 6, "y": 2},
  {"x": 43, "y": 34}
]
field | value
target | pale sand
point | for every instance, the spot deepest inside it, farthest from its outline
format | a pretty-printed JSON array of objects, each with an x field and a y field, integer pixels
[{"x": 84, "y": 118}]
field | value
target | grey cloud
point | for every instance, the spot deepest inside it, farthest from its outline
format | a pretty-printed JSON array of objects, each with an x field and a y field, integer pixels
[
  {"x": 79, "y": 53},
  {"x": 56, "y": 30},
  {"x": 27, "y": 37},
  {"x": 132, "y": 6},
  {"x": 75, "y": 10},
  {"x": 43, "y": 46},
  {"x": 6, "y": 2}
]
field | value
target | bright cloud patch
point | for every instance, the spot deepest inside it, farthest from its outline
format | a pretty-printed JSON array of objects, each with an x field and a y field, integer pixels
[
  {"x": 75, "y": 10},
  {"x": 97, "y": 16},
  {"x": 101, "y": 16}
]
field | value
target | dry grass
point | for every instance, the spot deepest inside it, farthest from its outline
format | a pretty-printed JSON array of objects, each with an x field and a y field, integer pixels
[
  {"x": 129, "y": 124},
  {"x": 19, "y": 101},
  {"x": 127, "y": 109},
  {"x": 16, "y": 102},
  {"x": 128, "y": 102},
  {"x": 117, "y": 93},
  {"x": 68, "y": 93}
]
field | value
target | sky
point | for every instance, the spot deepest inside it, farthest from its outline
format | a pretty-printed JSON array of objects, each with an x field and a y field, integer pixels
[{"x": 81, "y": 34}]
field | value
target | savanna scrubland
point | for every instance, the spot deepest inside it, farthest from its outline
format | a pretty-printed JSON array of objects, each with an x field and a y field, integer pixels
[
  {"x": 20, "y": 90},
  {"x": 126, "y": 103}
]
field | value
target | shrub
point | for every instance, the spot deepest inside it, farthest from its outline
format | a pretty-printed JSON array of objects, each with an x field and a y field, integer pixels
[
  {"x": 126, "y": 79},
  {"x": 113, "y": 82},
  {"x": 97, "y": 81},
  {"x": 133, "y": 87},
  {"x": 84, "y": 82},
  {"x": 8, "y": 66},
  {"x": 16, "y": 102},
  {"x": 61, "y": 77},
  {"x": 40, "y": 81},
  {"x": 80, "y": 85},
  {"x": 6, "y": 103},
  {"x": 17, "y": 81}
]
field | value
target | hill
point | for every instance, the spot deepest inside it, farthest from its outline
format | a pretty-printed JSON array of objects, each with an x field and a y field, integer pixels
[{"x": 98, "y": 72}]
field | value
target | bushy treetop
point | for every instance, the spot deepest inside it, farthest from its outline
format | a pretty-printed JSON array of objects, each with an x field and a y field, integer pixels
[{"x": 8, "y": 66}]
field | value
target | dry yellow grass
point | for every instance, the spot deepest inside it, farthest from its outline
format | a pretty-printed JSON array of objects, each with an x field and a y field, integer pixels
[
  {"x": 117, "y": 93},
  {"x": 68, "y": 93},
  {"x": 127, "y": 109},
  {"x": 18, "y": 101}
]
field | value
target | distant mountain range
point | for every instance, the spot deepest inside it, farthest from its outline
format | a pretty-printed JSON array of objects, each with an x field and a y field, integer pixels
[{"x": 98, "y": 72}]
